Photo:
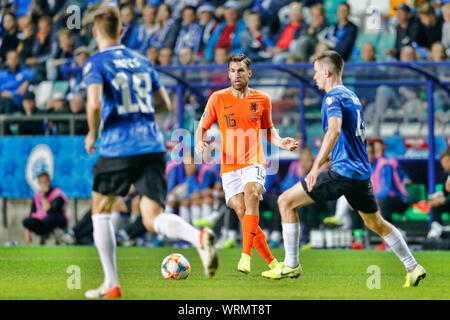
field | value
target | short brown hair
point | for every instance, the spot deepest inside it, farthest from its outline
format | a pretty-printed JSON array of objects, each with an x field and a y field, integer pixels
[
  {"x": 238, "y": 57},
  {"x": 333, "y": 59},
  {"x": 426, "y": 8},
  {"x": 445, "y": 153},
  {"x": 107, "y": 19}
]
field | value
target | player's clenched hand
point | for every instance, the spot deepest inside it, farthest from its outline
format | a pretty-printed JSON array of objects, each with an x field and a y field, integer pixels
[
  {"x": 200, "y": 147},
  {"x": 89, "y": 142},
  {"x": 289, "y": 144},
  {"x": 311, "y": 178}
]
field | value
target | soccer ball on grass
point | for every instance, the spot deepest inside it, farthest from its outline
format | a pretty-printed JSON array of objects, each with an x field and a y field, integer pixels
[{"x": 175, "y": 267}]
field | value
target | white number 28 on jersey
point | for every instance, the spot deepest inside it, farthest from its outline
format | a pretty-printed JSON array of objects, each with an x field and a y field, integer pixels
[{"x": 141, "y": 87}]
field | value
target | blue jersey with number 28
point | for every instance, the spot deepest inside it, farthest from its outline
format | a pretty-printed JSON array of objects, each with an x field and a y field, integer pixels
[
  {"x": 349, "y": 156},
  {"x": 128, "y": 114}
]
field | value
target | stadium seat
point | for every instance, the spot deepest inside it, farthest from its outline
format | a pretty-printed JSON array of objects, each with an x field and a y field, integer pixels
[
  {"x": 60, "y": 87},
  {"x": 385, "y": 42}
]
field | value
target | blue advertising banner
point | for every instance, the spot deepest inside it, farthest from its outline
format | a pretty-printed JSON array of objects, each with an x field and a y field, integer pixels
[{"x": 63, "y": 157}]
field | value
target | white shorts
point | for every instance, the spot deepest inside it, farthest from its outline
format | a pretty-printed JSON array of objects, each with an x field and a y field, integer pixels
[{"x": 234, "y": 182}]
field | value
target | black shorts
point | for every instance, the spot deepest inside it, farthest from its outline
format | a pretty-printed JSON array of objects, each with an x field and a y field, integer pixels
[
  {"x": 114, "y": 176},
  {"x": 331, "y": 186}
]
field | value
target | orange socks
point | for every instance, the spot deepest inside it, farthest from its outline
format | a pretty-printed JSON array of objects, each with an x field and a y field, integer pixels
[
  {"x": 253, "y": 236},
  {"x": 260, "y": 244},
  {"x": 249, "y": 231}
]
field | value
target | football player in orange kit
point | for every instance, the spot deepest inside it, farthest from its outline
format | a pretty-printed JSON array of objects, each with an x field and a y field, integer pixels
[{"x": 243, "y": 114}]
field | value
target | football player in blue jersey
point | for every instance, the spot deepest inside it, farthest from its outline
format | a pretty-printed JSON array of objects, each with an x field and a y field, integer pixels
[
  {"x": 123, "y": 94},
  {"x": 345, "y": 142}
]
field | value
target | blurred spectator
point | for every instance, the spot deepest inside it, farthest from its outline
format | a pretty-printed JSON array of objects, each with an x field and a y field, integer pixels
[
  {"x": 190, "y": 32},
  {"x": 57, "y": 104},
  {"x": 437, "y": 52},
  {"x": 10, "y": 40},
  {"x": 129, "y": 36},
  {"x": 186, "y": 57},
  {"x": 47, "y": 211},
  {"x": 254, "y": 41},
  {"x": 432, "y": 25},
  {"x": 165, "y": 57},
  {"x": 166, "y": 35},
  {"x": 446, "y": 27},
  {"x": 341, "y": 36},
  {"x": 177, "y": 6},
  {"x": 25, "y": 126},
  {"x": 81, "y": 233},
  {"x": 152, "y": 54},
  {"x": 62, "y": 55},
  {"x": 367, "y": 94},
  {"x": 401, "y": 99},
  {"x": 289, "y": 32},
  {"x": 207, "y": 21},
  {"x": 320, "y": 47},
  {"x": 440, "y": 96},
  {"x": 227, "y": 33},
  {"x": 26, "y": 36},
  {"x": 218, "y": 76},
  {"x": 407, "y": 31},
  {"x": 42, "y": 48},
  {"x": 440, "y": 201},
  {"x": 268, "y": 11},
  {"x": 306, "y": 43},
  {"x": 13, "y": 83},
  {"x": 77, "y": 91},
  {"x": 368, "y": 52},
  {"x": 147, "y": 29},
  {"x": 389, "y": 181}
]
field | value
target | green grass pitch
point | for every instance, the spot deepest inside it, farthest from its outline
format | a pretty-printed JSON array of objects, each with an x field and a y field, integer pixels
[{"x": 41, "y": 273}]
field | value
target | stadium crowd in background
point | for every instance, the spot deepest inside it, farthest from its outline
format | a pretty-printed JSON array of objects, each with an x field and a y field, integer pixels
[
  {"x": 191, "y": 32},
  {"x": 37, "y": 46}
]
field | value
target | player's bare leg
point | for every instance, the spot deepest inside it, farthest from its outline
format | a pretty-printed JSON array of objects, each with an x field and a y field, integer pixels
[
  {"x": 288, "y": 201},
  {"x": 174, "y": 227},
  {"x": 393, "y": 238},
  {"x": 105, "y": 241},
  {"x": 237, "y": 202}
]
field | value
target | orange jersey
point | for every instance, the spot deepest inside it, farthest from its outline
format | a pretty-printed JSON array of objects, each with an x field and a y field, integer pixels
[{"x": 240, "y": 121}]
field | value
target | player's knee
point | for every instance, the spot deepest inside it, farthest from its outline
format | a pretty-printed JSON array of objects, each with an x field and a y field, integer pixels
[
  {"x": 283, "y": 203},
  {"x": 252, "y": 196},
  {"x": 375, "y": 225}
]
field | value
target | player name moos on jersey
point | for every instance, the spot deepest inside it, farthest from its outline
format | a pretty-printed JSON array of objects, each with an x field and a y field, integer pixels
[{"x": 127, "y": 63}]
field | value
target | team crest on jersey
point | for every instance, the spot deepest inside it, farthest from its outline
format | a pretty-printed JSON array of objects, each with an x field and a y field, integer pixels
[
  {"x": 254, "y": 106},
  {"x": 330, "y": 100}
]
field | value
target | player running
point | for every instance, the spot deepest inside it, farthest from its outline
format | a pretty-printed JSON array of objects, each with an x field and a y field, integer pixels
[
  {"x": 344, "y": 128},
  {"x": 124, "y": 93},
  {"x": 241, "y": 113}
]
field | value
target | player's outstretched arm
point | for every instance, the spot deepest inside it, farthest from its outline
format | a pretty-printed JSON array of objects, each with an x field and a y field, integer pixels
[
  {"x": 162, "y": 100},
  {"x": 93, "y": 113},
  {"x": 273, "y": 137},
  {"x": 328, "y": 143}
]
